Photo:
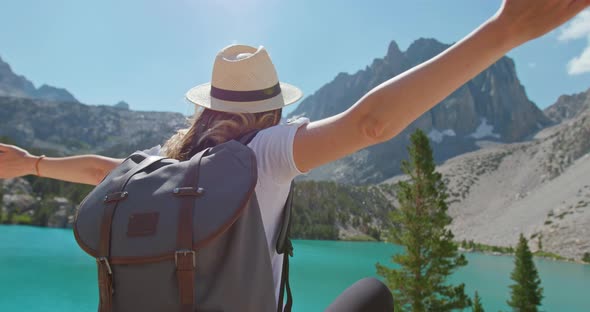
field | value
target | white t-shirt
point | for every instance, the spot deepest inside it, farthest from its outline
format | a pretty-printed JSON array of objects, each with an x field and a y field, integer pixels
[{"x": 273, "y": 148}]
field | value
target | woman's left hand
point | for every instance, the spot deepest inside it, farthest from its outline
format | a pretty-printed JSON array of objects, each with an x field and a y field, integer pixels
[{"x": 15, "y": 162}]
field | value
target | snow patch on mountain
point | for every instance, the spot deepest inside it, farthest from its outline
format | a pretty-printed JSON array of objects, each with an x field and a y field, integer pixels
[
  {"x": 484, "y": 130},
  {"x": 437, "y": 136}
]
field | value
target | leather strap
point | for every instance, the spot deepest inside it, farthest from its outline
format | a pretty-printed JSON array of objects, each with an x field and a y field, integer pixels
[
  {"x": 283, "y": 241},
  {"x": 105, "y": 285},
  {"x": 105, "y": 273},
  {"x": 246, "y": 138},
  {"x": 285, "y": 247},
  {"x": 185, "y": 256},
  {"x": 285, "y": 283}
]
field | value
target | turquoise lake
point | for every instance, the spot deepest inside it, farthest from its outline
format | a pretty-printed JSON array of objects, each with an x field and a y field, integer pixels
[{"x": 44, "y": 270}]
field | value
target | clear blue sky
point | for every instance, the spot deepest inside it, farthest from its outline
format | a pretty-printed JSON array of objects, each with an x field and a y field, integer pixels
[{"x": 149, "y": 52}]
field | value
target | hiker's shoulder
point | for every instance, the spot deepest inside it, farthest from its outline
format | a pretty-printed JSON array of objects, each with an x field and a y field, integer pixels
[
  {"x": 274, "y": 151},
  {"x": 284, "y": 128},
  {"x": 277, "y": 138}
]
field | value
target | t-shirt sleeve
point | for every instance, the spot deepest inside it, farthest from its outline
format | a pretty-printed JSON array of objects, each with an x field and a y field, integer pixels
[{"x": 274, "y": 151}]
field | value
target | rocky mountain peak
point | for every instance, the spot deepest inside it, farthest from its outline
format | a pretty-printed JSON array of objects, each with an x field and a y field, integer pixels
[
  {"x": 493, "y": 106},
  {"x": 15, "y": 85},
  {"x": 569, "y": 106},
  {"x": 422, "y": 50},
  {"x": 122, "y": 105},
  {"x": 50, "y": 93},
  {"x": 4, "y": 66},
  {"x": 393, "y": 51},
  {"x": 12, "y": 84}
]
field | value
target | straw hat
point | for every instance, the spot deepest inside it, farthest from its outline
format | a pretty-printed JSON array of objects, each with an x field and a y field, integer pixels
[{"x": 244, "y": 80}]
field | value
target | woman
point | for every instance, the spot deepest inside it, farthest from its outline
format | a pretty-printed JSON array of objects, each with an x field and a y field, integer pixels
[{"x": 233, "y": 106}]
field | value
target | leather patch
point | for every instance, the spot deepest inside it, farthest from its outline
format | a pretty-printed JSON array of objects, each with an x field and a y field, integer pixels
[{"x": 142, "y": 224}]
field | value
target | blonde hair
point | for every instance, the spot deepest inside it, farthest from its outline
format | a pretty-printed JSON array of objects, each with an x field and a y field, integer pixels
[{"x": 209, "y": 128}]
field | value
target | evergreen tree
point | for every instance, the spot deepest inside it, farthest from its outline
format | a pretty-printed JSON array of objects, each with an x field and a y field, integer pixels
[
  {"x": 526, "y": 293},
  {"x": 421, "y": 227},
  {"x": 477, "y": 306}
]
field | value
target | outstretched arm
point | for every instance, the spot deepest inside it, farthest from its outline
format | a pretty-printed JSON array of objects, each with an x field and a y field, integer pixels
[
  {"x": 390, "y": 107},
  {"x": 87, "y": 169}
]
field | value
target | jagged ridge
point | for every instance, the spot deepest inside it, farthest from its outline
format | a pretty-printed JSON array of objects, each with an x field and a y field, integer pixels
[
  {"x": 14, "y": 85},
  {"x": 487, "y": 107}
]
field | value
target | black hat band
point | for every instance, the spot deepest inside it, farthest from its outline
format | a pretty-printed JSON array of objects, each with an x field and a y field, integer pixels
[{"x": 246, "y": 96}]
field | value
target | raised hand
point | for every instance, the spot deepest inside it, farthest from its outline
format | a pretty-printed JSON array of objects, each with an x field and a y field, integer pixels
[
  {"x": 15, "y": 162},
  {"x": 525, "y": 20}
]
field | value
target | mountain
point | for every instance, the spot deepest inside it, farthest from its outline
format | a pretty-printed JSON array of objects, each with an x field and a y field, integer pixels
[
  {"x": 492, "y": 107},
  {"x": 539, "y": 188},
  {"x": 72, "y": 128},
  {"x": 49, "y": 93},
  {"x": 568, "y": 106},
  {"x": 122, "y": 105},
  {"x": 14, "y": 85},
  {"x": 529, "y": 181}
]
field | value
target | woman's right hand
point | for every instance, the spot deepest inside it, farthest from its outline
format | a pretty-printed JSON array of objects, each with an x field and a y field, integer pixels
[
  {"x": 525, "y": 20},
  {"x": 15, "y": 162}
]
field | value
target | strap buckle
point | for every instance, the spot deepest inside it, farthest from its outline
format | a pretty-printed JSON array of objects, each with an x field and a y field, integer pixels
[
  {"x": 115, "y": 197},
  {"x": 289, "y": 250},
  {"x": 104, "y": 260},
  {"x": 184, "y": 252}
]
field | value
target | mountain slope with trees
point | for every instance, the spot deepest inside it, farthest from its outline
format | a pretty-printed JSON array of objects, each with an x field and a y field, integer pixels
[{"x": 539, "y": 187}]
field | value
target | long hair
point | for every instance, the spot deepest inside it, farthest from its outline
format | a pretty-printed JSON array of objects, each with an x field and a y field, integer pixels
[{"x": 210, "y": 128}]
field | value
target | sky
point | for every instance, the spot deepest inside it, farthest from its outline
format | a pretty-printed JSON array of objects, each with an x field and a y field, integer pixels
[{"x": 150, "y": 52}]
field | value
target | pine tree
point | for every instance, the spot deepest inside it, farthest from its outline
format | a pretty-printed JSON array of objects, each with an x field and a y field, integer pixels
[
  {"x": 421, "y": 227},
  {"x": 477, "y": 306},
  {"x": 526, "y": 293}
]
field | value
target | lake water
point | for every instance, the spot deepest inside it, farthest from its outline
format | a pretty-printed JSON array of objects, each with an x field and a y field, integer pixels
[{"x": 43, "y": 269}]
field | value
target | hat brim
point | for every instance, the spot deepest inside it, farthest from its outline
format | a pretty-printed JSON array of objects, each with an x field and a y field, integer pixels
[{"x": 200, "y": 95}]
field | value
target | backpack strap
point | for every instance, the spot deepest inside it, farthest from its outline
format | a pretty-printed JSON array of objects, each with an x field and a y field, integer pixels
[
  {"x": 283, "y": 241},
  {"x": 246, "y": 138},
  {"x": 285, "y": 247},
  {"x": 185, "y": 256},
  {"x": 111, "y": 200}
]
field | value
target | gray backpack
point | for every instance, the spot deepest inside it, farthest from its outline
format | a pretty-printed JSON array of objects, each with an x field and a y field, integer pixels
[{"x": 173, "y": 235}]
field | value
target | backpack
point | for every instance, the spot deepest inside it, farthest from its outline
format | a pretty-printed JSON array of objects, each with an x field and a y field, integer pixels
[{"x": 173, "y": 235}]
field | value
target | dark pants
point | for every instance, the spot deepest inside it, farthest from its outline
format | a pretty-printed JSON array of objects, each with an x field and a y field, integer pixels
[{"x": 367, "y": 295}]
